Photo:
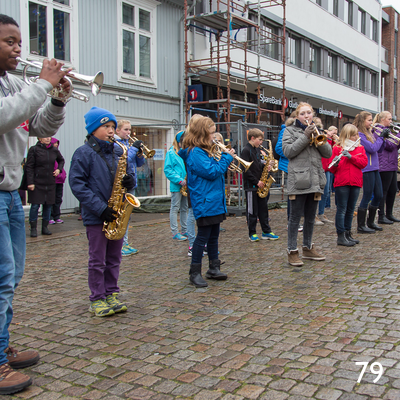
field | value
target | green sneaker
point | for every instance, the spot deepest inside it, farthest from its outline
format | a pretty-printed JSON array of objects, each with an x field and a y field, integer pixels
[
  {"x": 117, "y": 306},
  {"x": 101, "y": 308}
]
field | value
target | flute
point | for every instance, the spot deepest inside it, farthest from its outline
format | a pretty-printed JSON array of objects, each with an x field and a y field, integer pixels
[{"x": 337, "y": 158}]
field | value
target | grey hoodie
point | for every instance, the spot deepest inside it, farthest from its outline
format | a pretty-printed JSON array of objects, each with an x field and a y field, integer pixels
[{"x": 24, "y": 102}]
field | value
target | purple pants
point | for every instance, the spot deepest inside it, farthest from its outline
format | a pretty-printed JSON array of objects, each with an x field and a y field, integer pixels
[{"x": 104, "y": 261}]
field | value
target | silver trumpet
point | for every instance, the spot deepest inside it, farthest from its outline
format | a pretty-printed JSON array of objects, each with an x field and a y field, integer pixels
[{"x": 59, "y": 93}]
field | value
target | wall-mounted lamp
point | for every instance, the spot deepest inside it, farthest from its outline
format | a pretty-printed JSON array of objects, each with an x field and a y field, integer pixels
[{"x": 118, "y": 97}]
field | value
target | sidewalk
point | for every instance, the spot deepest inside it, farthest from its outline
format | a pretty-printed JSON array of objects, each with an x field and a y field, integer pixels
[{"x": 269, "y": 332}]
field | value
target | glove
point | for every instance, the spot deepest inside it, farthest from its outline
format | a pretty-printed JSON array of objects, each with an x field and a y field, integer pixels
[
  {"x": 138, "y": 144},
  {"x": 128, "y": 182},
  {"x": 385, "y": 133},
  {"x": 108, "y": 215},
  {"x": 336, "y": 163},
  {"x": 346, "y": 154},
  {"x": 309, "y": 130}
]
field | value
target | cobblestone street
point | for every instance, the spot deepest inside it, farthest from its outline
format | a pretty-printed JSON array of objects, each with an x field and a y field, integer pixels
[{"x": 271, "y": 331}]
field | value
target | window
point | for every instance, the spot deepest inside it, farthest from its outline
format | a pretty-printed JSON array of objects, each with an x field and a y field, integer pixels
[
  {"x": 361, "y": 79},
  {"x": 315, "y": 59},
  {"x": 336, "y": 7},
  {"x": 332, "y": 67},
  {"x": 374, "y": 84},
  {"x": 269, "y": 45},
  {"x": 319, "y": 2},
  {"x": 347, "y": 73},
  {"x": 51, "y": 29},
  {"x": 349, "y": 12},
  {"x": 374, "y": 30},
  {"x": 361, "y": 20},
  {"x": 294, "y": 51},
  {"x": 137, "y": 57}
]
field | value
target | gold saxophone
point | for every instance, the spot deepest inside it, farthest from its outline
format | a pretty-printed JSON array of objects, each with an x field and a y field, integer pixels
[
  {"x": 183, "y": 189},
  {"x": 265, "y": 176},
  {"x": 121, "y": 202}
]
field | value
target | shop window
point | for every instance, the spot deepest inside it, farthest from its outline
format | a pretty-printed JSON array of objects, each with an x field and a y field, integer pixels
[{"x": 315, "y": 59}]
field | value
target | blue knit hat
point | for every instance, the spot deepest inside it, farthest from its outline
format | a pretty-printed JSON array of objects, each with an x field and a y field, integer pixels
[
  {"x": 179, "y": 136},
  {"x": 97, "y": 117}
]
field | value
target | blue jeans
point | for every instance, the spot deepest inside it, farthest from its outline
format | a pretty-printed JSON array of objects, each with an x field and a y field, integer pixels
[
  {"x": 191, "y": 227},
  {"x": 346, "y": 199},
  {"x": 178, "y": 202},
  {"x": 12, "y": 259},
  {"x": 206, "y": 235},
  {"x": 372, "y": 185},
  {"x": 327, "y": 194},
  {"x": 46, "y": 212},
  {"x": 125, "y": 242}
]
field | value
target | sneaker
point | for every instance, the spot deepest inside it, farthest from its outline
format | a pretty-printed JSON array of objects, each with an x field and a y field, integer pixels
[
  {"x": 190, "y": 252},
  {"x": 101, "y": 308},
  {"x": 254, "y": 238},
  {"x": 134, "y": 251},
  {"x": 300, "y": 229},
  {"x": 21, "y": 359},
  {"x": 205, "y": 252},
  {"x": 311, "y": 254},
  {"x": 324, "y": 219},
  {"x": 185, "y": 234},
  {"x": 294, "y": 259},
  {"x": 127, "y": 251},
  {"x": 12, "y": 381},
  {"x": 318, "y": 222},
  {"x": 179, "y": 237},
  {"x": 269, "y": 236},
  {"x": 52, "y": 222},
  {"x": 117, "y": 306},
  {"x": 59, "y": 221}
]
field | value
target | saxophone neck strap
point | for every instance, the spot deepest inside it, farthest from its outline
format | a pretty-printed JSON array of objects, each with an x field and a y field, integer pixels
[{"x": 93, "y": 143}]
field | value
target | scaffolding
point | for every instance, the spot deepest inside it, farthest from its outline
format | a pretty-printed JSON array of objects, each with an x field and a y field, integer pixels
[{"x": 228, "y": 59}]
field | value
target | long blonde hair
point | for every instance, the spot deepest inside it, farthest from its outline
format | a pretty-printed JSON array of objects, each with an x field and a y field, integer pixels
[
  {"x": 359, "y": 122},
  {"x": 198, "y": 133},
  {"x": 346, "y": 132}
]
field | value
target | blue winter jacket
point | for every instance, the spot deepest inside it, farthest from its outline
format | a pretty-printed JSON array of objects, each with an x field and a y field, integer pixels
[
  {"x": 90, "y": 179},
  {"x": 174, "y": 169},
  {"x": 283, "y": 161},
  {"x": 133, "y": 160},
  {"x": 206, "y": 183}
]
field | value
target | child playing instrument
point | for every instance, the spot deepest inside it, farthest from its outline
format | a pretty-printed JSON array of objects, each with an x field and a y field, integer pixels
[
  {"x": 135, "y": 159},
  {"x": 348, "y": 181},
  {"x": 174, "y": 170},
  {"x": 372, "y": 184},
  {"x": 306, "y": 181},
  {"x": 21, "y": 115},
  {"x": 256, "y": 206},
  {"x": 207, "y": 190},
  {"x": 92, "y": 174}
]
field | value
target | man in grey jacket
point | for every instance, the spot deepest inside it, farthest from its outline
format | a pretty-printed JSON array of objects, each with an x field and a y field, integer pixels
[{"x": 21, "y": 116}]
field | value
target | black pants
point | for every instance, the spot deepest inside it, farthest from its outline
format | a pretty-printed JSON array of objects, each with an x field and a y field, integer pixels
[
  {"x": 389, "y": 187},
  {"x": 55, "y": 210},
  {"x": 257, "y": 208}
]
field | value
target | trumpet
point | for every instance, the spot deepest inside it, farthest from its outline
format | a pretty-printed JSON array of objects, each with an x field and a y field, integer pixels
[
  {"x": 218, "y": 148},
  {"x": 59, "y": 93},
  {"x": 392, "y": 138},
  {"x": 145, "y": 150},
  {"x": 318, "y": 140}
]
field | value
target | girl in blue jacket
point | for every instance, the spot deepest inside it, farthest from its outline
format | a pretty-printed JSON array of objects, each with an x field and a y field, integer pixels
[{"x": 205, "y": 180}]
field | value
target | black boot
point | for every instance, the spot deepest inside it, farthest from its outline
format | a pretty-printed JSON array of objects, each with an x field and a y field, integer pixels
[
  {"x": 383, "y": 220},
  {"x": 45, "y": 231},
  {"x": 350, "y": 238},
  {"x": 33, "y": 225},
  {"x": 195, "y": 276},
  {"x": 342, "y": 240},
  {"x": 361, "y": 215},
  {"x": 392, "y": 218},
  {"x": 371, "y": 218},
  {"x": 214, "y": 271}
]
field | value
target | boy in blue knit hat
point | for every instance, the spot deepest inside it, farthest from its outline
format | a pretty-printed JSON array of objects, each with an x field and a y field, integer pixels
[{"x": 91, "y": 178}]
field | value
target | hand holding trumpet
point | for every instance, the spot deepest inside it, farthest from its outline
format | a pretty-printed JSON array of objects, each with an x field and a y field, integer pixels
[{"x": 52, "y": 72}]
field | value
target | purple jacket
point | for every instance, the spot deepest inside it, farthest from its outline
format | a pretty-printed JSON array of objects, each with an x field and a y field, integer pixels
[
  {"x": 388, "y": 155},
  {"x": 371, "y": 149},
  {"x": 62, "y": 175}
]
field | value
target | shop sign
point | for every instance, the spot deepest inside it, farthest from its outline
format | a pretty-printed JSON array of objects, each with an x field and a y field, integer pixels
[
  {"x": 273, "y": 100},
  {"x": 332, "y": 113},
  {"x": 159, "y": 156}
]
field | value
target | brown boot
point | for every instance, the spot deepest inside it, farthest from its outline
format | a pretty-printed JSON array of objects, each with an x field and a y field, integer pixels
[
  {"x": 294, "y": 259},
  {"x": 22, "y": 359},
  {"x": 311, "y": 254},
  {"x": 12, "y": 381}
]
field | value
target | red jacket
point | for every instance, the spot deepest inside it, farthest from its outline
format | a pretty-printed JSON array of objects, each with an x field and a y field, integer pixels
[{"x": 349, "y": 173}]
